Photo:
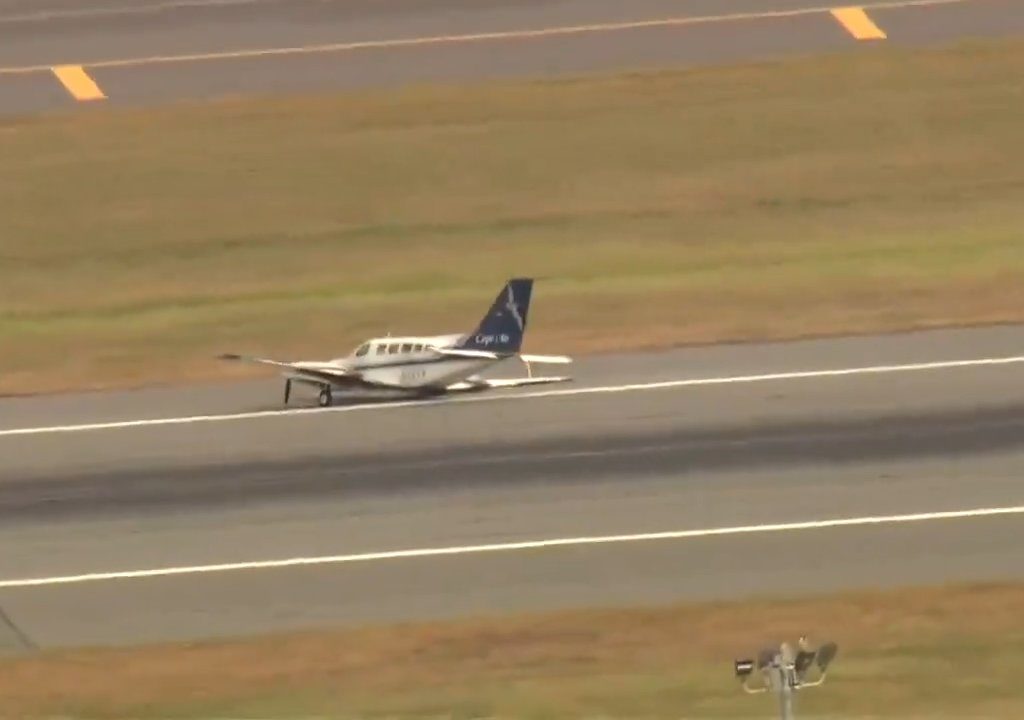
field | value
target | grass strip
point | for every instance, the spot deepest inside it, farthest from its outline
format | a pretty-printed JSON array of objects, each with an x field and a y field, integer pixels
[
  {"x": 940, "y": 652},
  {"x": 863, "y": 191}
]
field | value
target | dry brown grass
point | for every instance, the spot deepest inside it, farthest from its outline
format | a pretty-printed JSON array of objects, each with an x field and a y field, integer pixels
[
  {"x": 934, "y": 652},
  {"x": 858, "y": 192}
]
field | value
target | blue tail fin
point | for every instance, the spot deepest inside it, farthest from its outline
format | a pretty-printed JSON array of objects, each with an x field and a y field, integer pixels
[{"x": 502, "y": 328}]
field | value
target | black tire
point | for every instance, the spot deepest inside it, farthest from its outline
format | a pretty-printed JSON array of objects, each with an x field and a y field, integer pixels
[{"x": 325, "y": 398}]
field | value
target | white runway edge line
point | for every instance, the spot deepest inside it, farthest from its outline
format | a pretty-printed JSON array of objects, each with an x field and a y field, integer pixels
[
  {"x": 513, "y": 546},
  {"x": 498, "y": 397},
  {"x": 137, "y": 9},
  {"x": 491, "y": 36}
]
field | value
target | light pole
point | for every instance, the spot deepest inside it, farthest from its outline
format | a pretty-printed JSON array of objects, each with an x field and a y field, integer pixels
[{"x": 784, "y": 672}]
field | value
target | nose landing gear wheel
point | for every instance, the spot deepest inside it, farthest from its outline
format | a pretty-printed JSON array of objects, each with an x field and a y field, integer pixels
[{"x": 325, "y": 398}]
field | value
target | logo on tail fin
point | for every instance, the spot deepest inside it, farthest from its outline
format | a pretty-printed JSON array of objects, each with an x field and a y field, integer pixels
[{"x": 513, "y": 308}]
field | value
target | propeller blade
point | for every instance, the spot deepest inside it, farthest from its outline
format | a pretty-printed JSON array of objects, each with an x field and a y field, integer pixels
[{"x": 287, "y": 390}]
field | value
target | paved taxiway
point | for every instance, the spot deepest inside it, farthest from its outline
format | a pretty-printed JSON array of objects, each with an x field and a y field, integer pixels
[
  {"x": 156, "y": 51},
  {"x": 266, "y": 486}
]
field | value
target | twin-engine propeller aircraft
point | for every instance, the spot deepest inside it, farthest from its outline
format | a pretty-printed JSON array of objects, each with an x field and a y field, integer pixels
[{"x": 434, "y": 365}]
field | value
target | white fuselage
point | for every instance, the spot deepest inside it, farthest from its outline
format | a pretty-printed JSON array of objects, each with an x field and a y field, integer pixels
[{"x": 410, "y": 363}]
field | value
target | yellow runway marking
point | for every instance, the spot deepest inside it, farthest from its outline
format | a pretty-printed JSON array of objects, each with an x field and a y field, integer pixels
[
  {"x": 858, "y": 24},
  {"x": 78, "y": 82},
  {"x": 562, "y": 31}
]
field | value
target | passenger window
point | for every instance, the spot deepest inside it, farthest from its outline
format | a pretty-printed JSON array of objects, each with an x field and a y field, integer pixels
[
  {"x": 392, "y": 349},
  {"x": 381, "y": 349},
  {"x": 417, "y": 348},
  {"x": 407, "y": 347}
]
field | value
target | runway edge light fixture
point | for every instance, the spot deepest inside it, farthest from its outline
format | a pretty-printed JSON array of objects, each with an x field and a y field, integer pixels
[{"x": 783, "y": 671}]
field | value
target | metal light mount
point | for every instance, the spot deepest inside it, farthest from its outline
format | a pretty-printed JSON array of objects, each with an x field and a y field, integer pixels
[
  {"x": 744, "y": 668},
  {"x": 784, "y": 672}
]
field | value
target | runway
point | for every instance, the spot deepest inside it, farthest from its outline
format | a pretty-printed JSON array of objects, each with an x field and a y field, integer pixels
[
  {"x": 788, "y": 444},
  {"x": 55, "y": 54},
  {"x": 688, "y": 442}
]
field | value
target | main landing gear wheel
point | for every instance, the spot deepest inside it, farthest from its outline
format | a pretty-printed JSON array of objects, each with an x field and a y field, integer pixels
[{"x": 325, "y": 398}]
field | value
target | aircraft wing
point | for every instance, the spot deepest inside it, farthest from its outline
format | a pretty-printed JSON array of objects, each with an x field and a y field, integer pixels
[
  {"x": 468, "y": 354},
  {"x": 303, "y": 369},
  {"x": 484, "y": 355},
  {"x": 499, "y": 383}
]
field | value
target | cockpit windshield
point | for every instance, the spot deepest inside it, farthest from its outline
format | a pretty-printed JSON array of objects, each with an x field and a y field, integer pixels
[{"x": 363, "y": 349}]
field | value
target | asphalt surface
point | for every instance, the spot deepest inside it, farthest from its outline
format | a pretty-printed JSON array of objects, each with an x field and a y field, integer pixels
[
  {"x": 314, "y": 483},
  {"x": 263, "y": 485},
  {"x": 156, "y": 52}
]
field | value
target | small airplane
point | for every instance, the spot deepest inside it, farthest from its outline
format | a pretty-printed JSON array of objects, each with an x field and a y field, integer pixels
[{"x": 427, "y": 366}]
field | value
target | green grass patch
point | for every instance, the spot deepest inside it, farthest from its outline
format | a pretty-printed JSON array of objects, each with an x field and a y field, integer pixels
[
  {"x": 942, "y": 653},
  {"x": 866, "y": 191}
]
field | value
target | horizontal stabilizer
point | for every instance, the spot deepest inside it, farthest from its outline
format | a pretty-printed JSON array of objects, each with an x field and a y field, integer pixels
[{"x": 549, "y": 359}]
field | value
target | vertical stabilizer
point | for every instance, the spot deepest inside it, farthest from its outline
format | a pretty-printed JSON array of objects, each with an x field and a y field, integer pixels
[{"x": 503, "y": 327}]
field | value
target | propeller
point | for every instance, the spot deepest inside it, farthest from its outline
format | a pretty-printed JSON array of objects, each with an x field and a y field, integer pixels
[{"x": 287, "y": 390}]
